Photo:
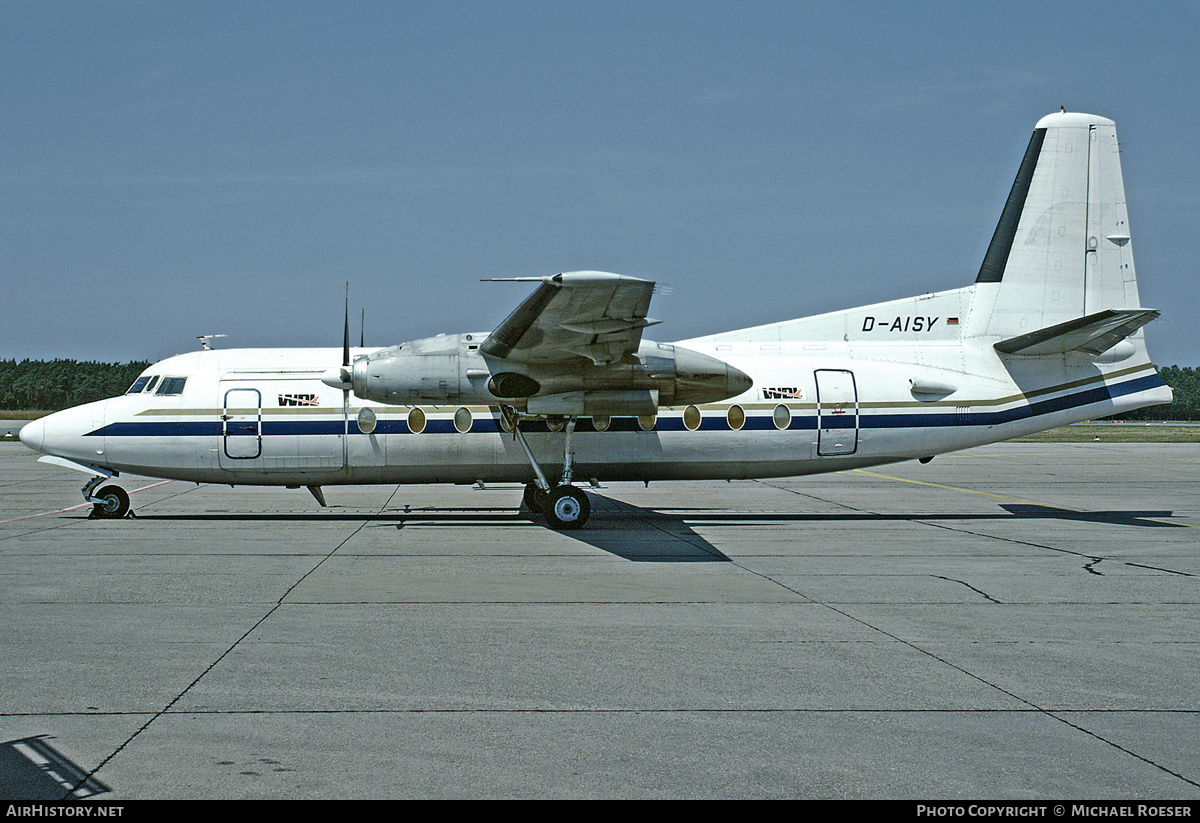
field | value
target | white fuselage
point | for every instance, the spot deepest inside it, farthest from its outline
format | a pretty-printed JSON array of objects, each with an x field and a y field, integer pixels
[{"x": 879, "y": 384}]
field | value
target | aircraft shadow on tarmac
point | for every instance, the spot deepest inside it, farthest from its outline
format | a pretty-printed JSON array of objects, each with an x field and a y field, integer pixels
[
  {"x": 1114, "y": 518},
  {"x": 646, "y": 534},
  {"x": 1015, "y": 512},
  {"x": 622, "y": 529},
  {"x": 32, "y": 769}
]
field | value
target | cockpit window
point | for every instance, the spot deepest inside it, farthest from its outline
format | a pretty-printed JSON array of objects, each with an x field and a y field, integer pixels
[
  {"x": 138, "y": 385},
  {"x": 153, "y": 382},
  {"x": 171, "y": 385}
]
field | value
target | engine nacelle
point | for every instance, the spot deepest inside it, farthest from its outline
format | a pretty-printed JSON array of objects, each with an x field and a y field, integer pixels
[
  {"x": 450, "y": 369},
  {"x": 432, "y": 370}
]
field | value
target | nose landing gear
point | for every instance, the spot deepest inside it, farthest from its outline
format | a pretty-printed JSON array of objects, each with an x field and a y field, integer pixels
[{"x": 111, "y": 502}]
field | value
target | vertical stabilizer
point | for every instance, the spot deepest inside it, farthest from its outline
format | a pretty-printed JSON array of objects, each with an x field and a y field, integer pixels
[{"x": 1061, "y": 250}]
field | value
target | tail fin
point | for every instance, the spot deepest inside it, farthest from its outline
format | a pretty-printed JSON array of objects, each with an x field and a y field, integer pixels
[{"x": 1061, "y": 251}]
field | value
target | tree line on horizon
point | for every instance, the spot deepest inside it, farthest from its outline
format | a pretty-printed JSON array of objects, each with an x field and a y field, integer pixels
[
  {"x": 52, "y": 385},
  {"x": 1185, "y": 383}
]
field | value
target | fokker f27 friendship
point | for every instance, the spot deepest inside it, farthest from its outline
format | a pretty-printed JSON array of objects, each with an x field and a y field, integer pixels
[{"x": 566, "y": 387}]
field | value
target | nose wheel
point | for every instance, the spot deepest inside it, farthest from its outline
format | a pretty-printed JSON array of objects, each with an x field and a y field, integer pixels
[{"x": 111, "y": 502}]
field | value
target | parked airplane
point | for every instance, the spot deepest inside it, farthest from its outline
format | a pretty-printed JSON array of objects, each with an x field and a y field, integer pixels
[{"x": 1050, "y": 333}]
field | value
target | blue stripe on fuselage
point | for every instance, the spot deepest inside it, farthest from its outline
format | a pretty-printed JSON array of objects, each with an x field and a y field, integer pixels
[{"x": 763, "y": 422}]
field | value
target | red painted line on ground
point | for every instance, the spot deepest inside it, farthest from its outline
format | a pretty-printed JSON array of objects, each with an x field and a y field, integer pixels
[{"x": 80, "y": 506}]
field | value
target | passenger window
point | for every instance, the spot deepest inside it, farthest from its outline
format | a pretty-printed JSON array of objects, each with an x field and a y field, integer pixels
[
  {"x": 171, "y": 385},
  {"x": 736, "y": 417},
  {"x": 138, "y": 385},
  {"x": 782, "y": 417},
  {"x": 462, "y": 420}
]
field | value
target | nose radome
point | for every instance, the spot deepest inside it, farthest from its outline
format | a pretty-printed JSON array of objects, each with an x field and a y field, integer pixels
[
  {"x": 66, "y": 433},
  {"x": 32, "y": 434}
]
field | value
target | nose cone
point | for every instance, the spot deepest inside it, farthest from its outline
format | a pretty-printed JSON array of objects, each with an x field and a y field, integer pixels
[
  {"x": 703, "y": 379},
  {"x": 338, "y": 378},
  {"x": 33, "y": 434},
  {"x": 72, "y": 433}
]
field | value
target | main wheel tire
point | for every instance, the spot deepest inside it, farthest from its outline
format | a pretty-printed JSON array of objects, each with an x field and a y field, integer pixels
[
  {"x": 534, "y": 498},
  {"x": 114, "y": 502},
  {"x": 568, "y": 508}
]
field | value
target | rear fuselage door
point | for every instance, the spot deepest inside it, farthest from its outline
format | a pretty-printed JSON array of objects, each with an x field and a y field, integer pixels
[{"x": 837, "y": 412}]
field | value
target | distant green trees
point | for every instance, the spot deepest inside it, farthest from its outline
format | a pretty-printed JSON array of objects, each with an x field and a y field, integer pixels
[
  {"x": 1185, "y": 383},
  {"x": 50, "y": 385}
]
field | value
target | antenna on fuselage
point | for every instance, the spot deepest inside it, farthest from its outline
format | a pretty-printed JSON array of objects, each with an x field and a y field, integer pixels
[{"x": 205, "y": 338}]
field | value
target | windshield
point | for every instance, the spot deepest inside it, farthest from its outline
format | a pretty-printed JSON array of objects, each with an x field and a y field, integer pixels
[{"x": 171, "y": 385}]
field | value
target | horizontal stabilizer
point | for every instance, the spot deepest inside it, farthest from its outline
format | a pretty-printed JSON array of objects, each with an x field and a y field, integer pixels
[{"x": 1093, "y": 334}]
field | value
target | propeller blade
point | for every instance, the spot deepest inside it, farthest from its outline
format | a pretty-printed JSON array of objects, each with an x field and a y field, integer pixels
[
  {"x": 345, "y": 374},
  {"x": 346, "y": 331}
]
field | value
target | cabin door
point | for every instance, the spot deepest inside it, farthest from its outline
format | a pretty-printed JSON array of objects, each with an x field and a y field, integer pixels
[
  {"x": 837, "y": 412},
  {"x": 241, "y": 426}
]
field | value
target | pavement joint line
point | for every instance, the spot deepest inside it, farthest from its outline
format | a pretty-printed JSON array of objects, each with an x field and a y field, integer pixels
[
  {"x": 1054, "y": 714},
  {"x": 1048, "y": 712},
  {"x": 171, "y": 704}
]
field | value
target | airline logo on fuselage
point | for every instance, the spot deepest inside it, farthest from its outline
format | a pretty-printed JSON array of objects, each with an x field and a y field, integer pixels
[{"x": 783, "y": 393}]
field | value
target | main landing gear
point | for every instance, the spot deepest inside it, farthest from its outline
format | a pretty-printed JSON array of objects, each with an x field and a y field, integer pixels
[
  {"x": 111, "y": 502},
  {"x": 564, "y": 506}
]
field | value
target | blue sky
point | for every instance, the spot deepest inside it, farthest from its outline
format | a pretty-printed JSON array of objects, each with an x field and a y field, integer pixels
[{"x": 170, "y": 169}]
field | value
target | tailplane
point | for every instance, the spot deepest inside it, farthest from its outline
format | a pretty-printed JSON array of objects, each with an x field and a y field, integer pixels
[{"x": 1093, "y": 335}]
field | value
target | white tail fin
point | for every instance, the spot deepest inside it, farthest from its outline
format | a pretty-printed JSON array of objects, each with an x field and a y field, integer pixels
[{"x": 1062, "y": 248}]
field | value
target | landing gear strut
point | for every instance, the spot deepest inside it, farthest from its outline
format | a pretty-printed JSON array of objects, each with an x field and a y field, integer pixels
[{"x": 564, "y": 506}]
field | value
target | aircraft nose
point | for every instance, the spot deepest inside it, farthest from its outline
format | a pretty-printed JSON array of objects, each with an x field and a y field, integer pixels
[{"x": 33, "y": 434}]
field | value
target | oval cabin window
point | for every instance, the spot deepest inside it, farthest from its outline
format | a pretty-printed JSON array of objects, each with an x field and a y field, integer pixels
[
  {"x": 462, "y": 419},
  {"x": 416, "y": 421},
  {"x": 736, "y": 417}
]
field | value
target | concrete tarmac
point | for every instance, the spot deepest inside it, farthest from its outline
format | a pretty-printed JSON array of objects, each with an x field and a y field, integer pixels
[{"x": 1018, "y": 621}]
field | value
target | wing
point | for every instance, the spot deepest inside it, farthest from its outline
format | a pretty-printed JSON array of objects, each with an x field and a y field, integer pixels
[{"x": 589, "y": 314}]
